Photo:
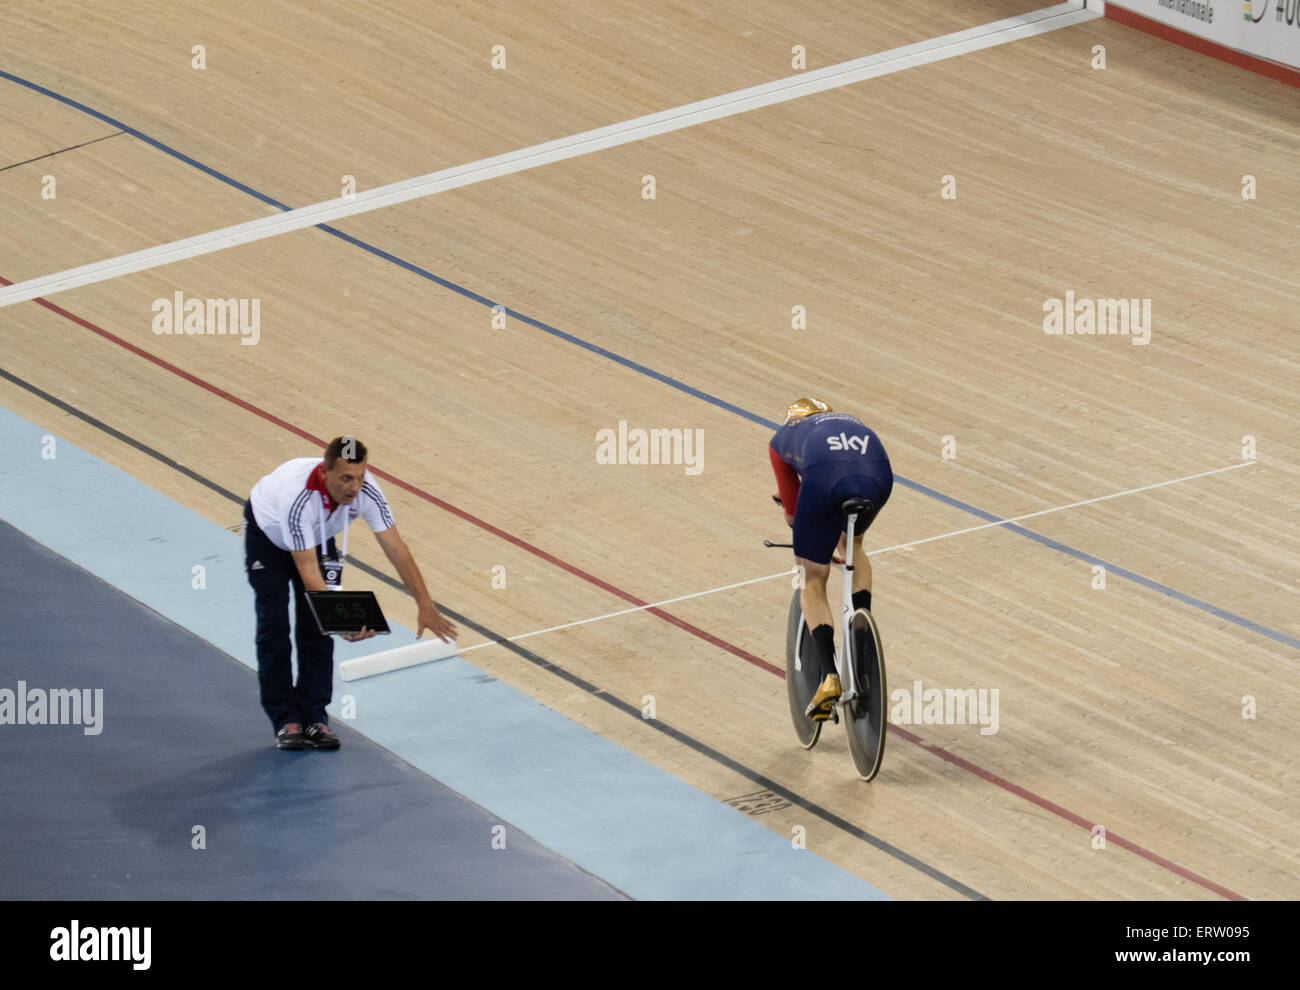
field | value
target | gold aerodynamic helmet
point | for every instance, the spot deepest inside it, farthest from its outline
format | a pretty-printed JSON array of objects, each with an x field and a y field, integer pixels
[{"x": 800, "y": 408}]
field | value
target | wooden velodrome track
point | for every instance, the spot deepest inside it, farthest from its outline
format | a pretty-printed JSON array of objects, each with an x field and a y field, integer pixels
[{"x": 1120, "y": 707}]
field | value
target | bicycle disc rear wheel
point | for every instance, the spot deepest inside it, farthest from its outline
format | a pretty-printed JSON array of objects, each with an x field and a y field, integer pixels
[
  {"x": 865, "y": 715},
  {"x": 802, "y": 675}
]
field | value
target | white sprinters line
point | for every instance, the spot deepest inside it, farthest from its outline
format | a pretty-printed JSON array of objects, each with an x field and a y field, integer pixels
[
  {"x": 935, "y": 49},
  {"x": 899, "y": 546}
]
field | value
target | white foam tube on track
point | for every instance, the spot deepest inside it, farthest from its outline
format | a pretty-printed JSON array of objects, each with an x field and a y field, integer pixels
[{"x": 422, "y": 651}]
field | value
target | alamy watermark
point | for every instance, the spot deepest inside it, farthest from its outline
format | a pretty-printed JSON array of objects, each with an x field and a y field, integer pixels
[
  {"x": 1083, "y": 317},
  {"x": 57, "y": 706},
  {"x": 638, "y": 446},
  {"x": 77, "y": 944},
  {"x": 178, "y": 315},
  {"x": 950, "y": 706}
]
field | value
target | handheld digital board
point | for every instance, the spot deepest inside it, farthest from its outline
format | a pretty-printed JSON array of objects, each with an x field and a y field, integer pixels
[{"x": 346, "y": 612}]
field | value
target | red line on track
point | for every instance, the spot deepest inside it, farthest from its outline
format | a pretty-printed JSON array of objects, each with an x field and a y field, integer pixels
[
  {"x": 708, "y": 637},
  {"x": 1065, "y": 813}
]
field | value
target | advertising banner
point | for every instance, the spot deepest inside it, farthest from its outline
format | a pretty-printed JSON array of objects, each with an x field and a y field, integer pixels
[{"x": 1267, "y": 29}]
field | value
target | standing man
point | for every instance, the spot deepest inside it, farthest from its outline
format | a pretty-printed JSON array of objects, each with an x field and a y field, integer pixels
[
  {"x": 821, "y": 458},
  {"x": 290, "y": 521}
]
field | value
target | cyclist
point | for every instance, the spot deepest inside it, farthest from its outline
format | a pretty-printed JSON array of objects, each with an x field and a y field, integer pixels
[{"x": 821, "y": 458}]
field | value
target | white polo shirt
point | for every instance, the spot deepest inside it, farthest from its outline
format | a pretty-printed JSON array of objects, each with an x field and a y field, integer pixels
[{"x": 293, "y": 507}]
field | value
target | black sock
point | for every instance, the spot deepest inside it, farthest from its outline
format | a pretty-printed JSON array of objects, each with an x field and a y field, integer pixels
[
  {"x": 824, "y": 639},
  {"x": 862, "y": 599}
]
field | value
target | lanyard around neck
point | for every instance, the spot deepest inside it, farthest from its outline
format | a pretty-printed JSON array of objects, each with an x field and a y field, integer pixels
[{"x": 323, "y": 539}]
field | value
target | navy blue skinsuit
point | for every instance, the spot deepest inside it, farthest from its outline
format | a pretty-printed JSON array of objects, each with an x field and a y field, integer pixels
[{"x": 836, "y": 457}]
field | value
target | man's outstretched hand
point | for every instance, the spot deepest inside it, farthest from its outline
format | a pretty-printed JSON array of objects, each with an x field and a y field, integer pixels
[{"x": 433, "y": 620}]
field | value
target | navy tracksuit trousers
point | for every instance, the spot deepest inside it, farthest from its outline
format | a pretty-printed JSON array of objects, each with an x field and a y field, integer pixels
[{"x": 282, "y": 700}]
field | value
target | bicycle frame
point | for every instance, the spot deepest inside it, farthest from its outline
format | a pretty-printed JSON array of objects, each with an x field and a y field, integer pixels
[{"x": 848, "y": 675}]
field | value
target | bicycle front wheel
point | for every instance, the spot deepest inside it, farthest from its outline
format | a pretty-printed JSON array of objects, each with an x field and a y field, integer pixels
[{"x": 802, "y": 675}]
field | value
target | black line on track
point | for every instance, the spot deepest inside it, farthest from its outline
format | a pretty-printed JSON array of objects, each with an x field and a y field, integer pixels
[
  {"x": 51, "y": 154},
  {"x": 594, "y": 690}
]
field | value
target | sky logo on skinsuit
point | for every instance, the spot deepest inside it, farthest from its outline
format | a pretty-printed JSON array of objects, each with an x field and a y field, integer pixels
[{"x": 846, "y": 442}]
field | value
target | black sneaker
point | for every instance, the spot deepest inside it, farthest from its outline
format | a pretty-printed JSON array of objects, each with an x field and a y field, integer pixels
[
  {"x": 319, "y": 736},
  {"x": 290, "y": 737}
]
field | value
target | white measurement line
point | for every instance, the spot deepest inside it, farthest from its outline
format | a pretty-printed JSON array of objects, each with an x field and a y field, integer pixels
[
  {"x": 1060, "y": 508},
  {"x": 779, "y": 91},
  {"x": 899, "y": 546},
  {"x": 625, "y": 611}
]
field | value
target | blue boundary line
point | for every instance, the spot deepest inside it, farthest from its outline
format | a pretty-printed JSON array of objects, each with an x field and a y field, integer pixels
[{"x": 415, "y": 269}]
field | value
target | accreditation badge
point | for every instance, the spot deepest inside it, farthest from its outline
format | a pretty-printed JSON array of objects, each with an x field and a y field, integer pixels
[{"x": 331, "y": 568}]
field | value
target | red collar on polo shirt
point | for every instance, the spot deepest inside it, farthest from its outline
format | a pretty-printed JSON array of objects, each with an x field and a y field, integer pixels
[{"x": 316, "y": 483}]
